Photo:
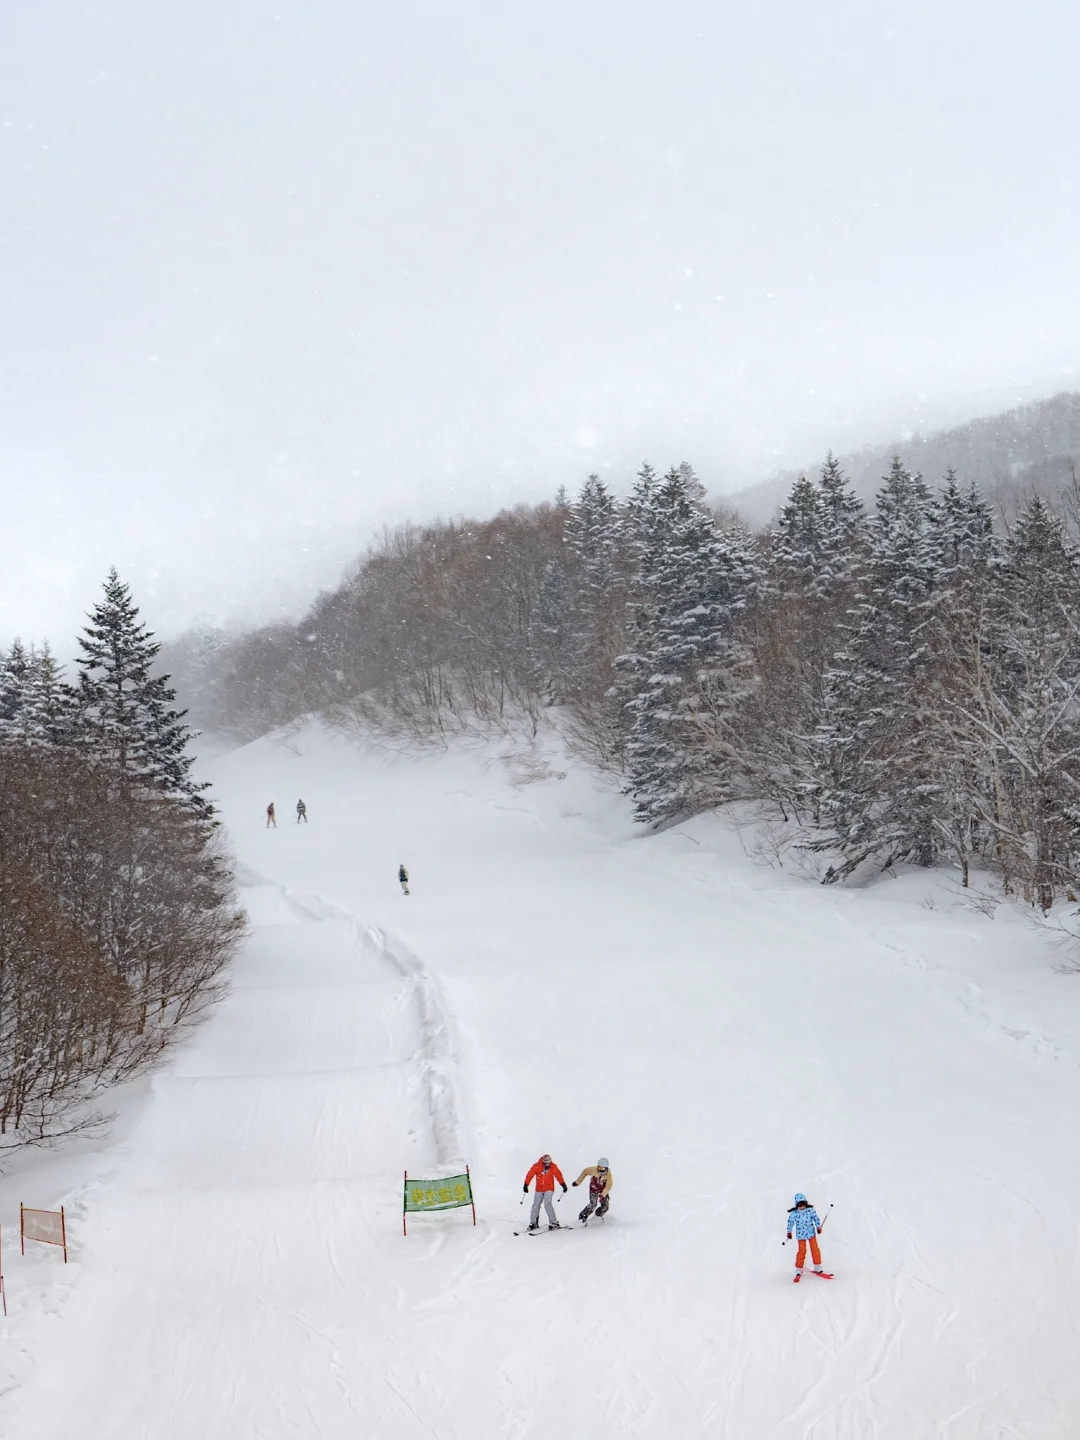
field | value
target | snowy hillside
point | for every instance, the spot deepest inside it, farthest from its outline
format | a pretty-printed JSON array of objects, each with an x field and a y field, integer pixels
[
  {"x": 1029, "y": 448},
  {"x": 726, "y": 1033}
]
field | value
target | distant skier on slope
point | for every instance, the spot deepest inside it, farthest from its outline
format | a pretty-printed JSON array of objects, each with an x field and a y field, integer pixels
[
  {"x": 803, "y": 1221},
  {"x": 600, "y": 1183},
  {"x": 301, "y": 812},
  {"x": 403, "y": 877},
  {"x": 545, "y": 1172},
  {"x": 270, "y": 817}
]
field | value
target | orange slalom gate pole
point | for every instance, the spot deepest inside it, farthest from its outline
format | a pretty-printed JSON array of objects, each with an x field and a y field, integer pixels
[
  {"x": 472, "y": 1197},
  {"x": 63, "y": 1232},
  {"x": 404, "y": 1212},
  {"x": 22, "y": 1230}
]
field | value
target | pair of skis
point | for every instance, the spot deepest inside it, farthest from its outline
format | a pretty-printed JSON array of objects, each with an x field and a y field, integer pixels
[{"x": 546, "y": 1228}]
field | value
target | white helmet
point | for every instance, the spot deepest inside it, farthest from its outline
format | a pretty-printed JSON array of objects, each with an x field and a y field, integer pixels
[{"x": 601, "y": 1164}]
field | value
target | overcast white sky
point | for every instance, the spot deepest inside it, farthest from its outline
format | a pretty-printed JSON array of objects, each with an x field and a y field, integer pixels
[{"x": 273, "y": 274}]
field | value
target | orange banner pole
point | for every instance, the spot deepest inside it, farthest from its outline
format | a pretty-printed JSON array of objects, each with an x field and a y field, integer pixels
[
  {"x": 472, "y": 1197},
  {"x": 63, "y": 1232},
  {"x": 404, "y": 1212}
]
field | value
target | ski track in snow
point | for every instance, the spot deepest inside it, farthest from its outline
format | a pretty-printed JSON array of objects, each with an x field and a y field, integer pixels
[{"x": 555, "y": 982}]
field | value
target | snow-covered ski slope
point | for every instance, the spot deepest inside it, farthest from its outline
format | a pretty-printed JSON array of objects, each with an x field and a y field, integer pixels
[{"x": 726, "y": 1033}]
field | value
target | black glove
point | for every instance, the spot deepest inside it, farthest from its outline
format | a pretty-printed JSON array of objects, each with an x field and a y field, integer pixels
[
  {"x": 564, "y": 1187},
  {"x": 574, "y": 1183},
  {"x": 525, "y": 1189}
]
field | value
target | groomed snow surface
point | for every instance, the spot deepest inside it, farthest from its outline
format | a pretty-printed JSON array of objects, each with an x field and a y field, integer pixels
[{"x": 727, "y": 1033}]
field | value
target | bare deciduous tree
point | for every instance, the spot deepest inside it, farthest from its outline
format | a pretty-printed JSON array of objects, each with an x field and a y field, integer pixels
[{"x": 117, "y": 918}]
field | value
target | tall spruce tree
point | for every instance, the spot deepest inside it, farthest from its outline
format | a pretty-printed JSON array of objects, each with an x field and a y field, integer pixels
[
  {"x": 15, "y": 671},
  {"x": 957, "y": 643},
  {"x": 48, "y": 713},
  {"x": 1034, "y": 715},
  {"x": 35, "y": 703},
  {"x": 965, "y": 527},
  {"x": 819, "y": 537},
  {"x": 592, "y": 540},
  {"x": 798, "y": 541},
  {"x": 843, "y": 530},
  {"x": 875, "y": 790},
  {"x": 125, "y": 712},
  {"x": 592, "y": 535},
  {"x": 813, "y": 555},
  {"x": 689, "y": 584},
  {"x": 634, "y": 515}
]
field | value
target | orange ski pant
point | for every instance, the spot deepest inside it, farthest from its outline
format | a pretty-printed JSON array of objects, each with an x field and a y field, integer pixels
[{"x": 815, "y": 1253}]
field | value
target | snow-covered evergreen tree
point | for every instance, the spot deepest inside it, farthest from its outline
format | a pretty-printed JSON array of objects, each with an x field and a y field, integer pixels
[
  {"x": 955, "y": 639},
  {"x": 634, "y": 516},
  {"x": 592, "y": 535},
  {"x": 48, "y": 713},
  {"x": 694, "y": 488},
  {"x": 14, "y": 684},
  {"x": 875, "y": 790},
  {"x": 843, "y": 532},
  {"x": 1040, "y": 569},
  {"x": 592, "y": 541},
  {"x": 690, "y": 583},
  {"x": 125, "y": 712},
  {"x": 1032, "y": 711},
  {"x": 815, "y": 554},
  {"x": 819, "y": 537},
  {"x": 965, "y": 526},
  {"x": 798, "y": 540}
]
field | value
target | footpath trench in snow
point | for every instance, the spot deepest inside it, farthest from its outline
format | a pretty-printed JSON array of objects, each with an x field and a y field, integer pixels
[{"x": 725, "y": 1033}]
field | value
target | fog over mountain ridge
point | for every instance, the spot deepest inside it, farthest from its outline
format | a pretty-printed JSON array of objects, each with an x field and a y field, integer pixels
[{"x": 1032, "y": 447}]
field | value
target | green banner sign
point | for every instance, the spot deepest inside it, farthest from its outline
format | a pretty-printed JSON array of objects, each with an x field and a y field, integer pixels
[{"x": 445, "y": 1194}]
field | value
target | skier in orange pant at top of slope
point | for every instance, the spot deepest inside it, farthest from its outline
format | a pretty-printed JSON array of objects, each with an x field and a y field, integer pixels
[{"x": 804, "y": 1223}]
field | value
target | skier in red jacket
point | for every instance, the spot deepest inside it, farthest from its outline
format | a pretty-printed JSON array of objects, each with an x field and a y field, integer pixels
[{"x": 545, "y": 1172}]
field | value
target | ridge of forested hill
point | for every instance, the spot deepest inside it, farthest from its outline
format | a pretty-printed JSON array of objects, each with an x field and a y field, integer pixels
[
  {"x": 1032, "y": 448},
  {"x": 899, "y": 682}
]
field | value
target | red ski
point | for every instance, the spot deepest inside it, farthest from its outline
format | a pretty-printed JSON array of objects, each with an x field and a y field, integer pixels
[{"x": 821, "y": 1274}]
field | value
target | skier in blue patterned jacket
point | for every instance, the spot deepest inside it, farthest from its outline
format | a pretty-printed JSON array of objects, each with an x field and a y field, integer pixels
[{"x": 803, "y": 1222}]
